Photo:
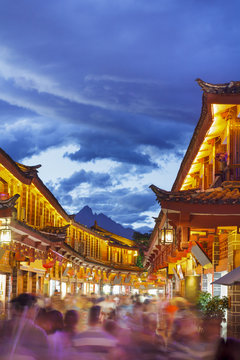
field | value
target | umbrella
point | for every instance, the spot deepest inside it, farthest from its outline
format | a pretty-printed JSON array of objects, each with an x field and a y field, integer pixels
[{"x": 231, "y": 278}]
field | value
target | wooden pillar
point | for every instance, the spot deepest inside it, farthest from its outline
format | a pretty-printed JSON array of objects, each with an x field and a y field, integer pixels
[
  {"x": 44, "y": 214},
  {"x": 214, "y": 159},
  {"x": 8, "y": 288},
  {"x": 37, "y": 211},
  {"x": 233, "y": 322},
  {"x": 185, "y": 237},
  {"x": 75, "y": 287},
  {"x": 14, "y": 281},
  {"x": 8, "y": 295},
  {"x": 34, "y": 283},
  {"x": 61, "y": 282},
  {"x": 28, "y": 211},
  {"x": 85, "y": 244},
  {"x": 96, "y": 247},
  {"x": 216, "y": 252},
  {"x": 41, "y": 284},
  {"x": 33, "y": 207},
  {"x": 29, "y": 281},
  {"x": 92, "y": 246},
  {"x": 101, "y": 283}
]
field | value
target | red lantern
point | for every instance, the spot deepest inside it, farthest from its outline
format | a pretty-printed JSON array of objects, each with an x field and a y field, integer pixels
[
  {"x": 49, "y": 265},
  {"x": 152, "y": 277}
]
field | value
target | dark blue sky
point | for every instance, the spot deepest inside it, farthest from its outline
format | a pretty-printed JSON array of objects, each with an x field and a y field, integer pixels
[{"x": 102, "y": 93}]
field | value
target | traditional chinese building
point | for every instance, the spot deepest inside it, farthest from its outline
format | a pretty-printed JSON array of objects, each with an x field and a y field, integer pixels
[
  {"x": 196, "y": 238},
  {"x": 121, "y": 250},
  {"x": 42, "y": 248}
]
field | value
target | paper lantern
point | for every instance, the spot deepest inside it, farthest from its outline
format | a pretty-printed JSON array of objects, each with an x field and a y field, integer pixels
[{"x": 49, "y": 264}]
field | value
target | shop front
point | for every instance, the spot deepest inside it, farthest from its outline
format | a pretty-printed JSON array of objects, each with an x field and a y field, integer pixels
[
  {"x": 54, "y": 285},
  {"x": 5, "y": 280},
  {"x": 106, "y": 289}
]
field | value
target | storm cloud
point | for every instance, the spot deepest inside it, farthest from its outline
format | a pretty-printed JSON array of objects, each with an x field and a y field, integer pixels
[{"x": 115, "y": 80}]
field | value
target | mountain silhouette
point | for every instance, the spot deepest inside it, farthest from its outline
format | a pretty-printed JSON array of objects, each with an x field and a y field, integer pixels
[{"x": 86, "y": 217}]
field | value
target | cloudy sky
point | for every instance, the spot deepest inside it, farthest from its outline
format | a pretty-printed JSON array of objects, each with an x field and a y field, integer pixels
[{"x": 102, "y": 93}]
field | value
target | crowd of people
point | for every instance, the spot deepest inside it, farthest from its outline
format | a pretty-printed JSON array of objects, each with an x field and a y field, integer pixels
[{"x": 112, "y": 327}]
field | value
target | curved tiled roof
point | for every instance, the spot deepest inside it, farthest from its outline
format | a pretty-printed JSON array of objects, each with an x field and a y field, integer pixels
[
  {"x": 233, "y": 87},
  {"x": 228, "y": 193},
  {"x": 9, "y": 203}
]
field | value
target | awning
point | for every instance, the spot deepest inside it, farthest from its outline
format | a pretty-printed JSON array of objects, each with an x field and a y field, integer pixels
[
  {"x": 232, "y": 278},
  {"x": 176, "y": 274},
  {"x": 200, "y": 255}
]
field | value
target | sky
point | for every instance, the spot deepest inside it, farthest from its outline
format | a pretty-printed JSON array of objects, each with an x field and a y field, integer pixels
[{"x": 102, "y": 93}]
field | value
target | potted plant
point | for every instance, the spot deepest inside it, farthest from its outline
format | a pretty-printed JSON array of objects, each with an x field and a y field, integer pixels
[{"x": 212, "y": 307}]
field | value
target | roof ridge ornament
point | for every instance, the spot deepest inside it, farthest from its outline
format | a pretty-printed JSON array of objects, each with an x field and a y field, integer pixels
[
  {"x": 233, "y": 87},
  {"x": 30, "y": 170}
]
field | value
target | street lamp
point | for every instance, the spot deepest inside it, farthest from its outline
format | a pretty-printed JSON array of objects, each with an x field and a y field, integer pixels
[{"x": 5, "y": 231}]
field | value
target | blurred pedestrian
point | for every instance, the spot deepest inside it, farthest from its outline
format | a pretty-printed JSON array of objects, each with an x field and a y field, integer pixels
[
  {"x": 56, "y": 302},
  {"x": 20, "y": 336},
  {"x": 183, "y": 344},
  {"x": 94, "y": 342},
  {"x": 71, "y": 319}
]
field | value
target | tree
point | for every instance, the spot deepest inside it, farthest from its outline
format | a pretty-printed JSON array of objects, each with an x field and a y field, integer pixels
[
  {"x": 142, "y": 241},
  {"x": 139, "y": 261}
]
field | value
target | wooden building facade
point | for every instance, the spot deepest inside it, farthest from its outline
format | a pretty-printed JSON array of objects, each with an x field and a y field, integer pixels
[
  {"x": 202, "y": 210},
  {"x": 42, "y": 248}
]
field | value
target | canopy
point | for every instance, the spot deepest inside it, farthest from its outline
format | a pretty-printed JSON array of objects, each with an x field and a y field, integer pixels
[
  {"x": 232, "y": 278},
  {"x": 200, "y": 255}
]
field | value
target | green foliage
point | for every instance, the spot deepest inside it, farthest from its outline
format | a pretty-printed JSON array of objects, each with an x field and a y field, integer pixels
[
  {"x": 212, "y": 307},
  {"x": 203, "y": 299},
  {"x": 142, "y": 241},
  {"x": 137, "y": 236},
  {"x": 139, "y": 262}
]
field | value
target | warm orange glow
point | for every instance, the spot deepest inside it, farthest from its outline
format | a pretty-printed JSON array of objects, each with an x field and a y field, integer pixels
[
  {"x": 217, "y": 131},
  {"x": 36, "y": 208}
]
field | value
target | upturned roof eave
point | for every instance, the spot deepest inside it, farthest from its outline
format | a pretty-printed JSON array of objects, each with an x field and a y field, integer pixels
[
  {"x": 192, "y": 147},
  {"x": 210, "y": 92}
]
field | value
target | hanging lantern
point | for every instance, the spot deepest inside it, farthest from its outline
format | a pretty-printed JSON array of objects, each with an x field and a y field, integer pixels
[
  {"x": 5, "y": 231},
  {"x": 49, "y": 265},
  {"x": 167, "y": 233}
]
